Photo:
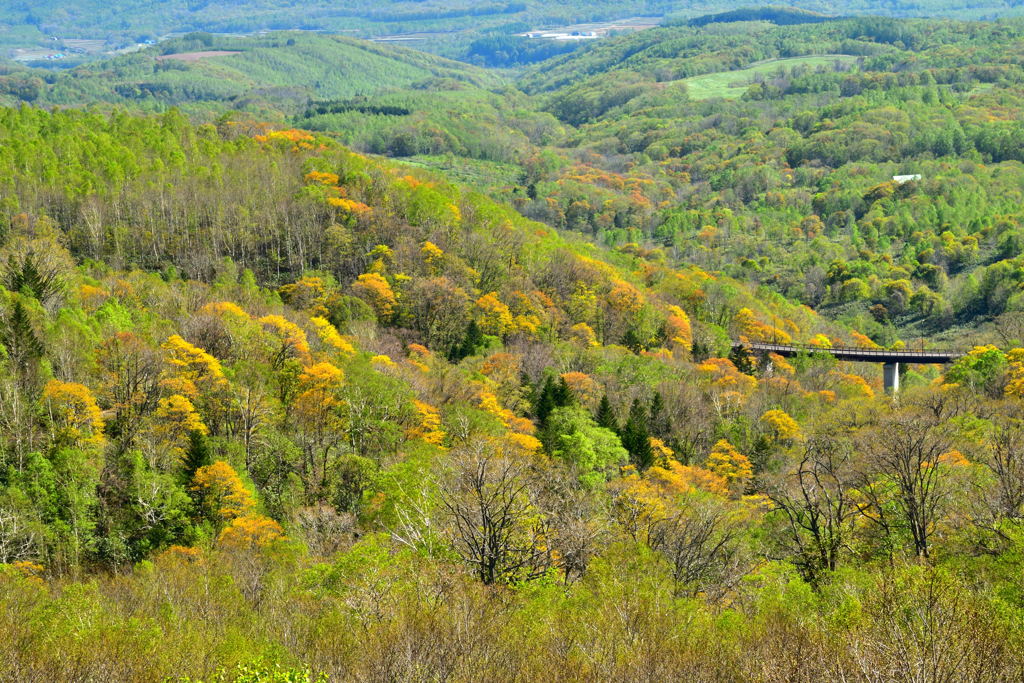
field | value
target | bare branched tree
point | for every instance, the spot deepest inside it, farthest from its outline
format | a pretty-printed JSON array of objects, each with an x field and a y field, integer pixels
[
  {"x": 905, "y": 451},
  {"x": 325, "y": 530},
  {"x": 1005, "y": 457},
  {"x": 929, "y": 630},
  {"x": 416, "y": 524},
  {"x": 493, "y": 524},
  {"x": 813, "y": 502},
  {"x": 17, "y": 540},
  {"x": 578, "y": 523},
  {"x": 701, "y": 543}
]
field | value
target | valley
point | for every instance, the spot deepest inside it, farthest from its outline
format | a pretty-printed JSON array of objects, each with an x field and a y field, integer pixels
[{"x": 408, "y": 346}]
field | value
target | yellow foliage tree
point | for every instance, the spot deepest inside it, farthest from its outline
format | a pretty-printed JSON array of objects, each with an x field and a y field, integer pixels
[
  {"x": 728, "y": 463},
  {"x": 493, "y": 316},
  {"x": 584, "y": 334},
  {"x": 855, "y": 386},
  {"x": 781, "y": 424},
  {"x": 820, "y": 340},
  {"x": 318, "y": 395},
  {"x": 490, "y": 403},
  {"x": 663, "y": 455},
  {"x": 1015, "y": 373},
  {"x": 222, "y": 492},
  {"x": 29, "y": 570},
  {"x": 432, "y": 255},
  {"x": 225, "y": 309},
  {"x": 323, "y": 178},
  {"x": 193, "y": 370},
  {"x": 92, "y": 297},
  {"x": 638, "y": 504},
  {"x": 673, "y": 479},
  {"x": 429, "y": 427},
  {"x": 308, "y": 294},
  {"x": 376, "y": 291},
  {"x": 250, "y": 532},
  {"x": 525, "y": 443},
  {"x": 174, "y": 419},
  {"x": 329, "y": 335},
  {"x": 293, "y": 339},
  {"x": 73, "y": 412},
  {"x": 780, "y": 365}
]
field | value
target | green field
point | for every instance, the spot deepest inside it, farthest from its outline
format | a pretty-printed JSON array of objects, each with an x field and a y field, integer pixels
[{"x": 732, "y": 84}]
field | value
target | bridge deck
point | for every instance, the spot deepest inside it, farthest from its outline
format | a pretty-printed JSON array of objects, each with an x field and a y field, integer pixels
[{"x": 855, "y": 353}]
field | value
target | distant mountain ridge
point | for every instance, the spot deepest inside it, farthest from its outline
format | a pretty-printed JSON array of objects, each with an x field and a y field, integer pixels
[
  {"x": 443, "y": 26},
  {"x": 782, "y": 16}
]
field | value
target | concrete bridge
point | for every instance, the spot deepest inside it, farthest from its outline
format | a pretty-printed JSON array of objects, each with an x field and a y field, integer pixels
[{"x": 889, "y": 359}]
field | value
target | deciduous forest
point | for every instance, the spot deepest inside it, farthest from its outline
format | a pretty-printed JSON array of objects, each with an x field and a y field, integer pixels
[{"x": 323, "y": 359}]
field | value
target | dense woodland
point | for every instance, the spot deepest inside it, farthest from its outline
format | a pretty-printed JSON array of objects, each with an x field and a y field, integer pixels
[
  {"x": 780, "y": 175},
  {"x": 448, "y": 27},
  {"x": 276, "y": 408}
]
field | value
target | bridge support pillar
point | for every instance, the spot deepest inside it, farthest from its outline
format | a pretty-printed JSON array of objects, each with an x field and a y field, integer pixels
[{"x": 891, "y": 378}]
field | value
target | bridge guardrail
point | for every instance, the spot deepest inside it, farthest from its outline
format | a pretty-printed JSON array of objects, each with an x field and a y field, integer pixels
[{"x": 851, "y": 350}]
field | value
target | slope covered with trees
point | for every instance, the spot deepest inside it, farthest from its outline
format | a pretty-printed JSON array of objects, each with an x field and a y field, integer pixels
[
  {"x": 791, "y": 182},
  {"x": 272, "y": 75},
  {"x": 274, "y": 409},
  {"x": 366, "y": 423}
]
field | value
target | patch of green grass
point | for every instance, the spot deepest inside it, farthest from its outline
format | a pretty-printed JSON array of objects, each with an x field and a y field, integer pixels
[{"x": 732, "y": 84}]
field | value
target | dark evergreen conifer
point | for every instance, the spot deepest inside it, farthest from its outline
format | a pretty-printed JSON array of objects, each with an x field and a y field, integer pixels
[
  {"x": 636, "y": 437},
  {"x": 740, "y": 357},
  {"x": 659, "y": 422},
  {"x": 196, "y": 455},
  {"x": 470, "y": 343},
  {"x": 23, "y": 347},
  {"x": 562, "y": 394},
  {"x": 544, "y": 402},
  {"x": 605, "y": 416}
]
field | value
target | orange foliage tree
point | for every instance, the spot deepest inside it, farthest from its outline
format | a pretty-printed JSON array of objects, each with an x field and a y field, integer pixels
[{"x": 584, "y": 387}]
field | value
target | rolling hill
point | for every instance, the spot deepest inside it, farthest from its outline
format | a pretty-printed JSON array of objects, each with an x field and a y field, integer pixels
[{"x": 283, "y": 70}]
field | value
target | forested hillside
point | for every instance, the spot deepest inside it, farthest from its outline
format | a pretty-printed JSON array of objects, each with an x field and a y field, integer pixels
[
  {"x": 274, "y": 407},
  {"x": 270, "y": 76},
  {"x": 363, "y": 405},
  {"x": 764, "y": 152},
  {"x": 788, "y": 179},
  {"x": 448, "y": 26}
]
